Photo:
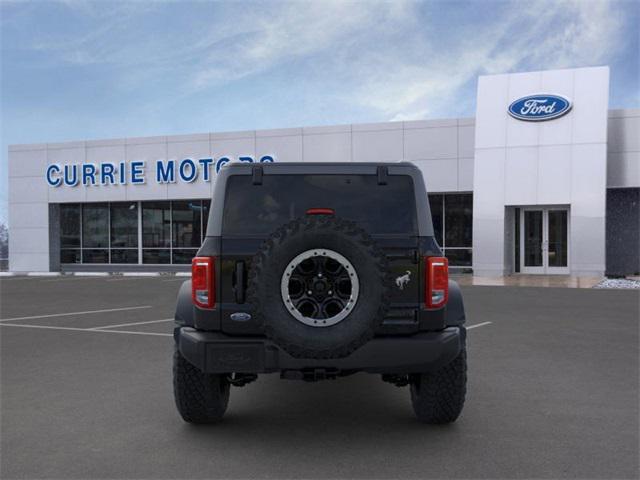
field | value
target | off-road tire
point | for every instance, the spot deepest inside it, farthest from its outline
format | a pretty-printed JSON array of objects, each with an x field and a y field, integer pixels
[
  {"x": 438, "y": 397},
  {"x": 264, "y": 287},
  {"x": 200, "y": 397}
]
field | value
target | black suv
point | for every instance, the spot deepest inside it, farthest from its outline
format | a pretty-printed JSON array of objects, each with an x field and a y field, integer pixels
[{"x": 317, "y": 271}]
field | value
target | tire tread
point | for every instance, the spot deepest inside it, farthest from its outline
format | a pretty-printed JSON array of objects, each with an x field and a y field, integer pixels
[
  {"x": 438, "y": 397},
  {"x": 200, "y": 397}
]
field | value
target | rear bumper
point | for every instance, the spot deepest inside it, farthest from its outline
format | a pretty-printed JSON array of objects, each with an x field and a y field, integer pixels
[{"x": 214, "y": 352}]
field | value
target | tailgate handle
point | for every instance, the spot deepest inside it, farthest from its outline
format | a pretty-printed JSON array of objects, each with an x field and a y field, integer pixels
[{"x": 239, "y": 282}]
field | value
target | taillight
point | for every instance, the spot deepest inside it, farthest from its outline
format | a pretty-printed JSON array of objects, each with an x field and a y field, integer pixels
[
  {"x": 436, "y": 281},
  {"x": 321, "y": 211},
  {"x": 203, "y": 292}
]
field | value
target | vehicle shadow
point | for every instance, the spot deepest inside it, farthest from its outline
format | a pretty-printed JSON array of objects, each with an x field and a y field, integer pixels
[{"x": 359, "y": 408}]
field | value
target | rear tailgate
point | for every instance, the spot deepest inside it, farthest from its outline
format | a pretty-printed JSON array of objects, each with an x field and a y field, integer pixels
[
  {"x": 404, "y": 284},
  {"x": 385, "y": 208}
]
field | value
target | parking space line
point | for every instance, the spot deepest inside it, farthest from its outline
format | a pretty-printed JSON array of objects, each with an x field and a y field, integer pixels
[
  {"x": 478, "y": 325},
  {"x": 18, "y": 279},
  {"x": 75, "y": 313},
  {"x": 75, "y": 329},
  {"x": 125, "y": 279},
  {"x": 132, "y": 324},
  {"x": 67, "y": 278}
]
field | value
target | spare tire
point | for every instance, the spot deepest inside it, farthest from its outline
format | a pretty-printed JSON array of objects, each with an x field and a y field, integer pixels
[{"x": 319, "y": 287}]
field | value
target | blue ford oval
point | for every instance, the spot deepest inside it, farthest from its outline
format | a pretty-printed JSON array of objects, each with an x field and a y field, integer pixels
[{"x": 536, "y": 108}]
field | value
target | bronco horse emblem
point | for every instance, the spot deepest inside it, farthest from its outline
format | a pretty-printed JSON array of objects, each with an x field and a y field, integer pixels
[{"x": 402, "y": 280}]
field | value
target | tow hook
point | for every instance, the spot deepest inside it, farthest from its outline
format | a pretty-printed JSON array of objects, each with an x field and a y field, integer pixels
[
  {"x": 241, "y": 379},
  {"x": 311, "y": 375}
]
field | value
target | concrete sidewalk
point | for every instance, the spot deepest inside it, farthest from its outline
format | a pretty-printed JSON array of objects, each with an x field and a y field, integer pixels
[{"x": 522, "y": 280}]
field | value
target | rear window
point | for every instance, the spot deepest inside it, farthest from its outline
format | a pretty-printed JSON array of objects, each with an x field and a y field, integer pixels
[{"x": 260, "y": 209}]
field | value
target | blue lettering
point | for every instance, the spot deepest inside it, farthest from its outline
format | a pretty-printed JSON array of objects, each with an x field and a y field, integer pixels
[
  {"x": 206, "y": 168},
  {"x": 51, "y": 169},
  {"x": 106, "y": 172},
  {"x": 246, "y": 159},
  {"x": 88, "y": 174},
  {"x": 222, "y": 161},
  {"x": 123, "y": 173},
  {"x": 193, "y": 170},
  {"x": 137, "y": 172},
  {"x": 166, "y": 174},
  {"x": 266, "y": 159},
  {"x": 71, "y": 180}
]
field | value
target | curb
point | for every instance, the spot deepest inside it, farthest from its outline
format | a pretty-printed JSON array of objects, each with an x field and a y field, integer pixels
[
  {"x": 89, "y": 274},
  {"x": 95, "y": 274}
]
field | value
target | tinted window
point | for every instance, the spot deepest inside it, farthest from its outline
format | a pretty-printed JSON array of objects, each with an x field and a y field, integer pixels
[
  {"x": 156, "y": 224},
  {"x": 260, "y": 209},
  {"x": 436, "y": 204},
  {"x": 458, "y": 257},
  {"x": 95, "y": 226},
  {"x": 124, "y": 225},
  {"x": 69, "y": 226},
  {"x": 186, "y": 224},
  {"x": 458, "y": 220},
  {"x": 95, "y": 256},
  {"x": 126, "y": 255},
  {"x": 183, "y": 255},
  {"x": 156, "y": 255}
]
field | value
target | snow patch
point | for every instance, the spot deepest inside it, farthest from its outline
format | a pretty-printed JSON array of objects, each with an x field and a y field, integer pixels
[{"x": 624, "y": 283}]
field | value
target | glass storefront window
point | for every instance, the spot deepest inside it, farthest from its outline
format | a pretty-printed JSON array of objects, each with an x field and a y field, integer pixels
[
  {"x": 95, "y": 225},
  {"x": 458, "y": 211},
  {"x": 558, "y": 241},
  {"x": 186, "y": 218},
  {"x": 183, "y": 255},
  {"x": 187, "y": 227},
  {"x": 127, "y": 255},
  {"x": 69, "y": 226},
  {"x": 436, "y": 205},
  {"x": 171, "y": 232},
  {"x": 452, "y": 216},
  {"x": 124, "y": 225},
  {"x": 156, "y": 255},
  {"x": 90, "y": 255},
  {"x": 458, "y": 257},
  {"x": 156, "y": 224},
  {"x": 70, "y": 255}
]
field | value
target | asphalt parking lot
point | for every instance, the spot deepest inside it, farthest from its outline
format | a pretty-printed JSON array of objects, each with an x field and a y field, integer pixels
[{"x": 86, "y": 393}]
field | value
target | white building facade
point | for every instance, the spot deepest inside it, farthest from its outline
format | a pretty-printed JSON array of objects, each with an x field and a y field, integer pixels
[{"x": 545, "y": 179}]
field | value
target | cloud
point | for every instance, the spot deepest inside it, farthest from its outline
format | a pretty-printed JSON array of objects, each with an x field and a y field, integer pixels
[
  {"x": 217, "y": 44},
  {"x": 294, "y": 31},
  {"x": 525, "y": 36},
  {"x": 523, "y": 39},
  {"x": 398, "y": 59}
]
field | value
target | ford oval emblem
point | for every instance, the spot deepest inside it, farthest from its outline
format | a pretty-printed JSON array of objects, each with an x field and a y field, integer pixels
[
  {"x": 536, "y": 108},
  {"x": 240, "y": 316}
]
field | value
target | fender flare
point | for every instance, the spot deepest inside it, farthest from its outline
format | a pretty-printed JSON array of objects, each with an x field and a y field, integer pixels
[
  {"x": 184, "y": 306},
  {"x": 454, "y": 312}
]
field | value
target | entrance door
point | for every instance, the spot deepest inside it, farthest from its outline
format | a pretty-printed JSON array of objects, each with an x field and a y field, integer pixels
[{"x": 544, "y": 242}]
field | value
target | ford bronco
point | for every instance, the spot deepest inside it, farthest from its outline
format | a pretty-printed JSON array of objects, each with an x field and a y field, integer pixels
[{"x": 318, "y": 271}]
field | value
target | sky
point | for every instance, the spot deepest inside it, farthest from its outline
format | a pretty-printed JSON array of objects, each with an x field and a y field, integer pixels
[{"x": 75, "y": 70}]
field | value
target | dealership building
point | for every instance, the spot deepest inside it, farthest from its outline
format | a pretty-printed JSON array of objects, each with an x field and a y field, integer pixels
[{"x": 544, "y": 180}]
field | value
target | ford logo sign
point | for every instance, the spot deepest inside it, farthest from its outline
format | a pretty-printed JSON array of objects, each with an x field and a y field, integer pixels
[{"x": 536, "y": 108}]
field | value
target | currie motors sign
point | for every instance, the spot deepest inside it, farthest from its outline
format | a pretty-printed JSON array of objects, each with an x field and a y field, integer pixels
[
  {"x": 540, "y": 107},
  {"x": 135, "y": 172}
]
